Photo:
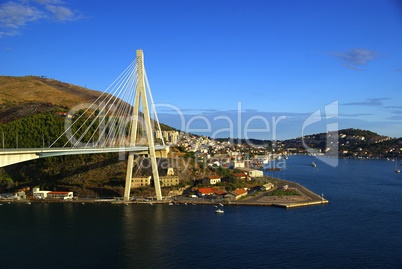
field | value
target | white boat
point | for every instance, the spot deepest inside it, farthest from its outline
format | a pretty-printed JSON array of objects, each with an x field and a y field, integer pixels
[
  {"x": 313, "y": 164},
  {"x": 397, "y": 170},
  {"x": 220, "y": 211}
]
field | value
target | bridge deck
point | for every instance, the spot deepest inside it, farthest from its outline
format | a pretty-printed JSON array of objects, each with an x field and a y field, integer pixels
[{"x": 12, "y": 156}]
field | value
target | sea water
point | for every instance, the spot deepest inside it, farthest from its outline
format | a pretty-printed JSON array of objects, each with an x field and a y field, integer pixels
[{"x": 361, "y": 227}]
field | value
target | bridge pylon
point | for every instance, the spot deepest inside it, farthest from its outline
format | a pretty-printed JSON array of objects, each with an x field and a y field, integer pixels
[{"x": 141, "y": 96}]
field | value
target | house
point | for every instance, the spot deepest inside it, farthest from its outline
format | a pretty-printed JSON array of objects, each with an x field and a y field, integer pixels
[
  {"x": 205, "y": 191},
  {"x": 268, "y": 186},
  {"x": 65, "y": 195},
  {"x": 64, "y": 114},
  {"x": 211, "y": 180},
  {"x": 38, "y": 194},
  {"x": 218, "y": 191},
  {"x": 169, "y": 181},
  {"x": 238, "y": 164},
  {"x": 252, "y": 172},
  {"x": 240, "y": 175},
  {"x": 19, "y": 195},
  {"x": 137, "y": 182},
  {"x": 239, "y": 193},
  {"x": 210, "y": 191}
]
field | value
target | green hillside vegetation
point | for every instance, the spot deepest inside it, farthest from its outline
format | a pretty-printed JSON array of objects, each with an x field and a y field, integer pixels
[
  {"x": 88, "y": 175},
  {"x": 35, "y": 131}
]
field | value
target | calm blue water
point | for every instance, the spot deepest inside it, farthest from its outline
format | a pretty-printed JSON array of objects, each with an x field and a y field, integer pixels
[{"x": 361, "y": 227}]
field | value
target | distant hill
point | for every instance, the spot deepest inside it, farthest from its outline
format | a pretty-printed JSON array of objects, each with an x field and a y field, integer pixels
[{"x": 23, "y": 96}]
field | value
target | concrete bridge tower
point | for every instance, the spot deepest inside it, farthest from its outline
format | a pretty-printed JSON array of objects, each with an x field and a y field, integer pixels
[{"x": 141, "y": 95}]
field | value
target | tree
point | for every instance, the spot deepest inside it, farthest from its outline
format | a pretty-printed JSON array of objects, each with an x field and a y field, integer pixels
[{"x": 6, "y": 182}]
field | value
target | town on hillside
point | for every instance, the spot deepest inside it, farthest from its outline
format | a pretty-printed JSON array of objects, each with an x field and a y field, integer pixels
[{"x": 227, "y": 169}]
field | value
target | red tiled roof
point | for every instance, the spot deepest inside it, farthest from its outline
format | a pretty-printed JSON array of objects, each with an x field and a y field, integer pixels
[
  {"x": 205, "y": 190},
  {"x": 240, "y": 175},
  {"x": 219, "y": 191},
  {"x": 239, "y": 191}
]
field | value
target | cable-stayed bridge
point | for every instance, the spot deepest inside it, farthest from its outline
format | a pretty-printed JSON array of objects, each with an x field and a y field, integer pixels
[{"x": 119, "y": 120}]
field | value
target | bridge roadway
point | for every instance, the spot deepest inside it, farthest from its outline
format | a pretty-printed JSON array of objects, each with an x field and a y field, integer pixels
[{"x": 13, "y": 156}]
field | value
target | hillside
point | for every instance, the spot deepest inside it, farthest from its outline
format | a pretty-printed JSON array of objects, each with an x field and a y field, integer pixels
[
  {"x": 351, "y": 143},
  {"x": 29, "y": 118},
  {"x": 23, "y": 96}
]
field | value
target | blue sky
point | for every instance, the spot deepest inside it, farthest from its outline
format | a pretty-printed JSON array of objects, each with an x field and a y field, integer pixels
[{"x": 210, "y": 59}]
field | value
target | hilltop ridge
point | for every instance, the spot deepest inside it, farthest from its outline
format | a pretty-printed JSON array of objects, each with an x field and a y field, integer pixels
[{"x": 23, "y": 96}]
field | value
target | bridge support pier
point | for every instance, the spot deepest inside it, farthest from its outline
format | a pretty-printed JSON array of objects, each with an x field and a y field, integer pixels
[{"x": 140, "y": 94}]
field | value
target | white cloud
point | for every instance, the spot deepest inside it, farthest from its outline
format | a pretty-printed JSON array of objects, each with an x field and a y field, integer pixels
[
  {"x": 355, "y": 58},
  {"x": 61, "y": 13},
  {"x": 16, "y": 15},
  {"x": 369, "y": 102}
]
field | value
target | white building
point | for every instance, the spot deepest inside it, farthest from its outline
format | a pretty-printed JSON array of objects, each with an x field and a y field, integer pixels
[
  {"x": 238, "y": 164},
  {"x": 38, "y": 194},
  {"x": 211, "y": 180},
  {"x": 64, "y": 195},
  {"x": 252, "y": 172}
]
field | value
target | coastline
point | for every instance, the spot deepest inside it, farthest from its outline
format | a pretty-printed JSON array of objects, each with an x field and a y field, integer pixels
[{"x": 306, "y": 198}]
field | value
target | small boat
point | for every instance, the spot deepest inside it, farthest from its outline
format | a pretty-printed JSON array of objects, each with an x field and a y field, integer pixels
[
  {"x": 220, "y": 204},
  {"x": 313, "y": 164},
  {"x": 28, "y": 203},
  {"x": 273, "y": 169},
  {"x": 219, "y": 211}
]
